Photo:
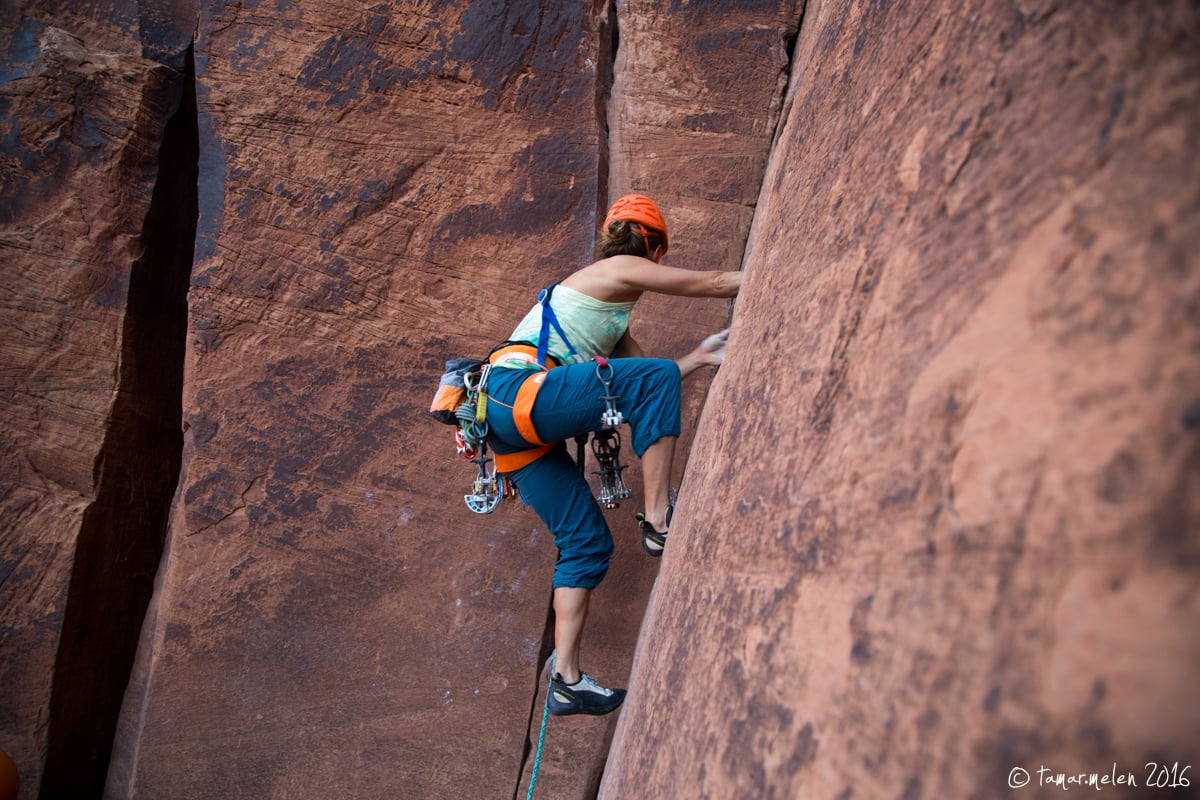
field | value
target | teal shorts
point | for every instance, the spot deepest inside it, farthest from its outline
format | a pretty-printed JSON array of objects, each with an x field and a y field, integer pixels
[{"x": 569, "y": 404}]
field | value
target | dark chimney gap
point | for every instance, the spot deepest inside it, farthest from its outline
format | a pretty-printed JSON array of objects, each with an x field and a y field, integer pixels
[{"x": 123, "y": 531}]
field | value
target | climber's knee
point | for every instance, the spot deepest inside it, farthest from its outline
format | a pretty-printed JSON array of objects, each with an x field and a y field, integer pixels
[
  {"x": 653, "y": 389},
  {"x": 563, "y": 499}
]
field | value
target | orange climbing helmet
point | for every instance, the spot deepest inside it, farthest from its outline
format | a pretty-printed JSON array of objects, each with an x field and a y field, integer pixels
[{"x": 639, "y": 209}]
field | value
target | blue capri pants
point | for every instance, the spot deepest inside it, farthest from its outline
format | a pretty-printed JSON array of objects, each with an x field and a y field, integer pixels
[{"x": 569, "y": 405}]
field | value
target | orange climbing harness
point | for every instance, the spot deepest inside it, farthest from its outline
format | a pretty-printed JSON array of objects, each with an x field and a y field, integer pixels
[
  {"x": 522, "y": 408},
  {"x": 462, "y": 400}
]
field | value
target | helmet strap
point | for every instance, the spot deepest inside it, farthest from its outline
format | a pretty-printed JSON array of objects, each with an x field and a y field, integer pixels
[{"x": 640, "y": 228}]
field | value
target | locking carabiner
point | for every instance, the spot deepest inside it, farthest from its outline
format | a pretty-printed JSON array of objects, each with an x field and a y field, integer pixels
[{"x": 612, "y": 417}]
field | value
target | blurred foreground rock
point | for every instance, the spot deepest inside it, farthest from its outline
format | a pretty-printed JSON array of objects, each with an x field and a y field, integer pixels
[{"x": 957, "y": 428}]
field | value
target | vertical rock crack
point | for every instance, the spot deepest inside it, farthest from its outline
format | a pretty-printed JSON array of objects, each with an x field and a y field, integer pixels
[{"x": 123, "y": 531}]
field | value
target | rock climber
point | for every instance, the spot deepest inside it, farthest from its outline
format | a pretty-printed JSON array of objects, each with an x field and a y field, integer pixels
[{"x": 535, "y": 407}]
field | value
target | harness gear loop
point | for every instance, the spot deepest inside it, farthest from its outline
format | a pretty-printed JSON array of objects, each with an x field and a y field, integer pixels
[
  {"x": 488, "y": 488},
  {"x": 472, "y": 416},
  {"x": 476, "y": 383}
]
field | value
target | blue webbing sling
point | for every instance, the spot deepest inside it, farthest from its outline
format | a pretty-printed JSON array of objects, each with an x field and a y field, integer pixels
[{"x": 548, "y": 319}]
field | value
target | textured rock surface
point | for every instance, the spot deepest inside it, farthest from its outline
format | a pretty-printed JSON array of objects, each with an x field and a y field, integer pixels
[
  {"x": 941, "y": 521},
  {"x": 972, "y": 476},
  {"x": 331, "y": 620},
  {"x": 381, "y": 189},
  {"x": 85, "y": 95},
  {"x": 696, "y": 94}
]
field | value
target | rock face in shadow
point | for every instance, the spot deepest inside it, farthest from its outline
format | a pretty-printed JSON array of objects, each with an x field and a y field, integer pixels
[
  {"x": 96, "y": 243},
  {"x": 958, "y": 531}
]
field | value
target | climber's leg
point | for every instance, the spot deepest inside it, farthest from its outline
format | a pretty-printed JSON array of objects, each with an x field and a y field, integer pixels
[
  {"x": 655, "y": 423},
  {"x": 570, "y": 613},
  {"x": 573, "y": 691},
  {"x": 563, "y": 499},
  {"x": 568, "y": 403},
  {"x": 656, "y": 480}
]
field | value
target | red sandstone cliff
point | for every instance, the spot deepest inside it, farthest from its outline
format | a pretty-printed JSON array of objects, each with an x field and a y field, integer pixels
[
  {"x": 939, "y": 518},
  {"x": 957, "y": 533}
]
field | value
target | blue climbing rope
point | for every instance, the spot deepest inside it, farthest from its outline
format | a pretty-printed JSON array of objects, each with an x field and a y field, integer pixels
[{"x": 537, "y": 761}]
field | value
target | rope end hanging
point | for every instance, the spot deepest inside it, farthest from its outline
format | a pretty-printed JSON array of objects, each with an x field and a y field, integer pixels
[{"x": 537, "y": 761}]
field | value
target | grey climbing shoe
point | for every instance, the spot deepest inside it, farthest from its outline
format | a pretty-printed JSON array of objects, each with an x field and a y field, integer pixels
[{"x": 584, "y": 697}]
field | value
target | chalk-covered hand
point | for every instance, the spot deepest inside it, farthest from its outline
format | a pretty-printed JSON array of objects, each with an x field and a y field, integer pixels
[
  {"x": 709, "y": 353},
  {"x": 712, "y": 350}
]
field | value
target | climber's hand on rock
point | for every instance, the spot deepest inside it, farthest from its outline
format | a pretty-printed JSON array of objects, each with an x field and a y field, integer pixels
[
  {"x": 712, "y": 349},
  {"x": 709, "y": 353}
]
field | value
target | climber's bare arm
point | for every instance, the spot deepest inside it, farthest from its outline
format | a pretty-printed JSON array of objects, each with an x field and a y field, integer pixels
[{"x": 624, "y": 278}]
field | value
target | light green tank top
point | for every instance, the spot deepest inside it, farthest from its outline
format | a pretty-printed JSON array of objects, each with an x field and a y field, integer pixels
[{"x": 593, "y": 326}]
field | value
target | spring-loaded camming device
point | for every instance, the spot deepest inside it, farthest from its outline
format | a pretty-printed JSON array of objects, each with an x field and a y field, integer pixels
[
  {"x": 606, "y": 445},
  {"x": 488, "y": 488},
  {"x": 611, "y": 417}
]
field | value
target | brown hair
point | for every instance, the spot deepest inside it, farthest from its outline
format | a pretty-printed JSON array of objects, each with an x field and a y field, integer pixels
[{"x": 623, "y": 238}]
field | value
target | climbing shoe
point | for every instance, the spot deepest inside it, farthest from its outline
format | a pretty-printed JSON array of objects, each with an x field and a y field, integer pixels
[
  {"x": 654, "y": 541},
  {"x": 584, "y": 697}
]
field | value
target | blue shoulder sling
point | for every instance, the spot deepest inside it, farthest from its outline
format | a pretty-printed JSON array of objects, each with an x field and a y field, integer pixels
[{"x": 548, "y": 319}]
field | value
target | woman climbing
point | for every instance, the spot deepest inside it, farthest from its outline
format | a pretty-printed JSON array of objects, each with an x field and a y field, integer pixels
[{"x": 543, "y": 390}]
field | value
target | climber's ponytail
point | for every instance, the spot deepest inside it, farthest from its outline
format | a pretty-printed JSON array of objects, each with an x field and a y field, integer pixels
[{"x": 623, "y": 238}]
